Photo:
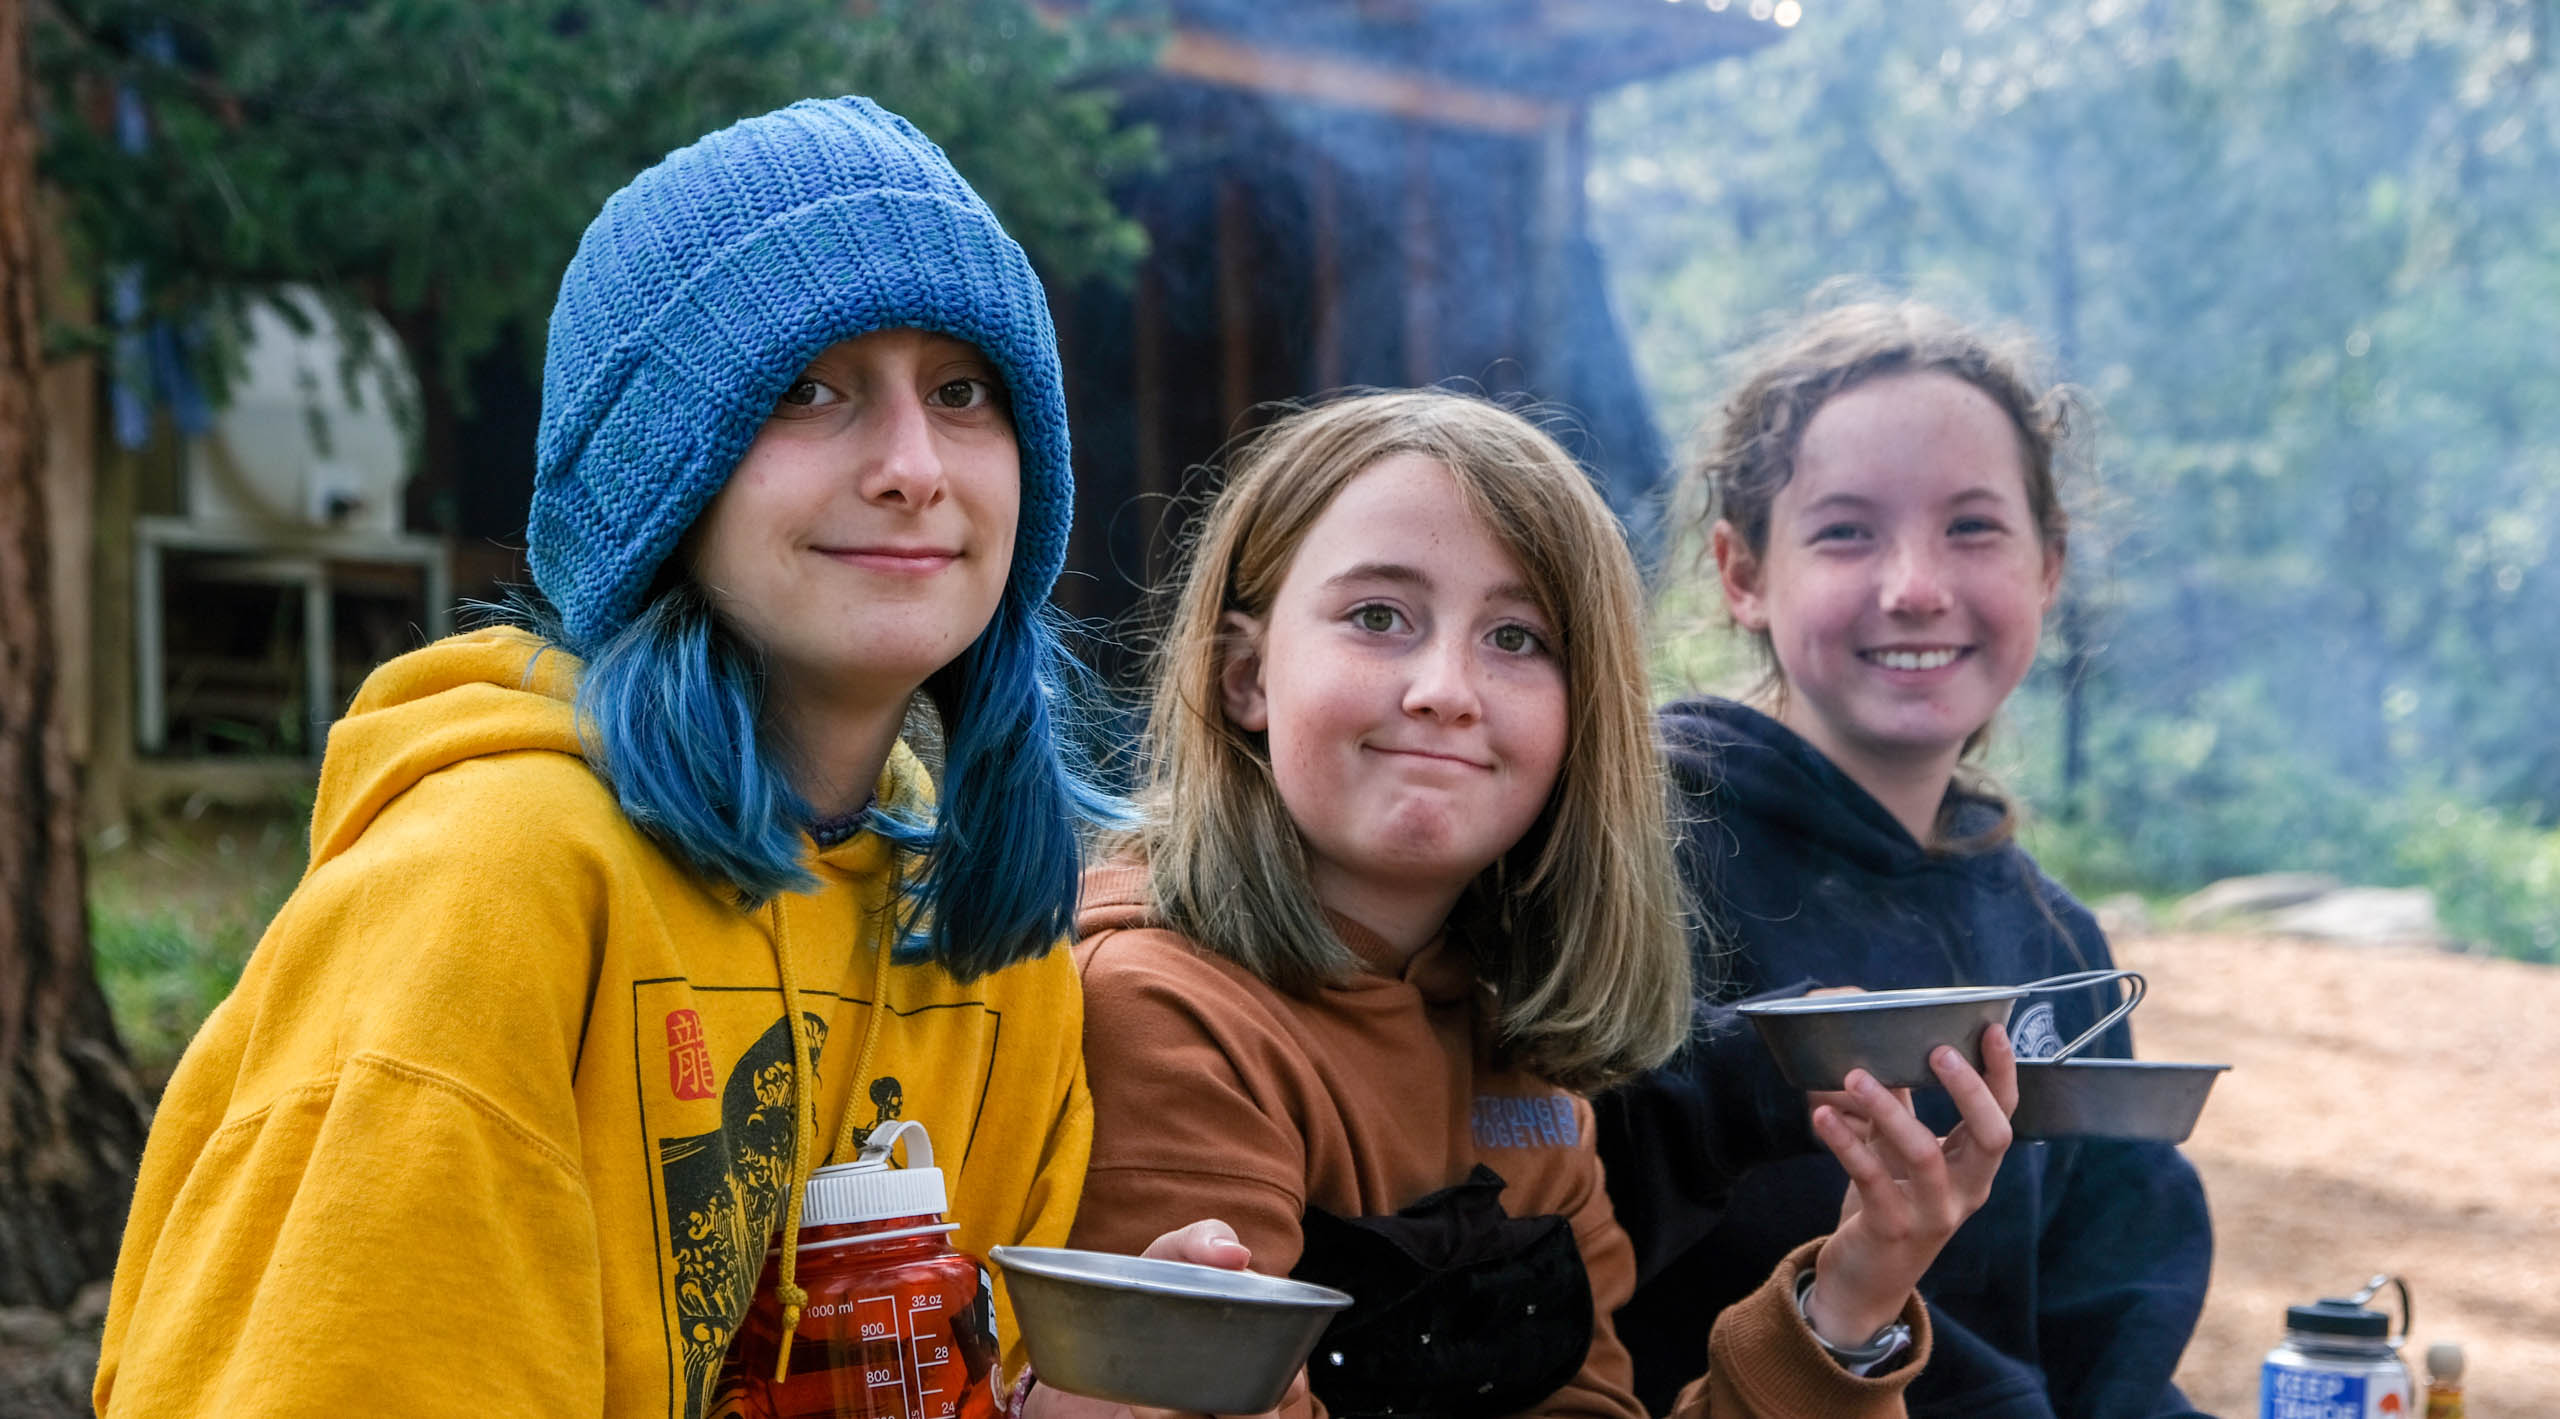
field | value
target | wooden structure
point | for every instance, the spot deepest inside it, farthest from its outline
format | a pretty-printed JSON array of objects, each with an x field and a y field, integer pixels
[
  {"x": 246, "y": 577},
  {"x": 1358, "y": 192}
]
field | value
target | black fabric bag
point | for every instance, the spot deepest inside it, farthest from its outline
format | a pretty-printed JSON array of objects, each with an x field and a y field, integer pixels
[{"x": 1459, "y": 1310}]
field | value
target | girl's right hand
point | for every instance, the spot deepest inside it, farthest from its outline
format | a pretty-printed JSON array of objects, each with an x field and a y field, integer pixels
[
  {"x": 1908, "y": 1188},
  {"x": 1208, "y": 1242}
]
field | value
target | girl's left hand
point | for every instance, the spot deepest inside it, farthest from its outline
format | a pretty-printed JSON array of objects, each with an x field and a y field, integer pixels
[{"x": 1908, "y": 1188}]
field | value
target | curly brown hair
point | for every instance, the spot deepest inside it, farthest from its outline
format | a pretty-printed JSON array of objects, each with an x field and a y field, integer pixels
[
  {"x": 1761, "y": 426},
  {"x": 1833, "y": 351}
]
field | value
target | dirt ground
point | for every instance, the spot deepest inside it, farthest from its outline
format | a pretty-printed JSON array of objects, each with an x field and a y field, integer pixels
[{"x": 2390, "y": 1110}]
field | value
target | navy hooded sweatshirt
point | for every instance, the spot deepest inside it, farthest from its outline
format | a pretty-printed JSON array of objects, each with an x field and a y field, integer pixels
[{"x": 2072, "y": 1292}]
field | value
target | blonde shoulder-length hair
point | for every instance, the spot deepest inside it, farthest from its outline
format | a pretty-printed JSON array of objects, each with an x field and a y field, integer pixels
[{"x": 1578, "y": 928}]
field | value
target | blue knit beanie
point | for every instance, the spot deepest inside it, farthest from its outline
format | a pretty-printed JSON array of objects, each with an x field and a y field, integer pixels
[{"x": 706, "y": 286}]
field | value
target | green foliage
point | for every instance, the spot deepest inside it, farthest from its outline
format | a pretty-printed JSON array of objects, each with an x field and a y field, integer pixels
[
  {"x": 163, "y": 974},
  {"x": 2303, "y": 253},
  {"x": 174, "y": 914},
  {"x": 1696, "y": 649},
  {"x": 437, "y": 159},
  {"x": 2496, "y": 880}
]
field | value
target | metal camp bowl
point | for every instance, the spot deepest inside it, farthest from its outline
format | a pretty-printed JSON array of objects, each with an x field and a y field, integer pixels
[
  {"x": 2156, "y": 1100},
  {"x": 1166, "y": 1334},
  {"x": 1891, "y": 1033},
  {"x": 1888, "y": 1033}
]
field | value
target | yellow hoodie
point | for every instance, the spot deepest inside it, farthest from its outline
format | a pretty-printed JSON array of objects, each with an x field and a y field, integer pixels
[{"x": 500, "y": 1119}]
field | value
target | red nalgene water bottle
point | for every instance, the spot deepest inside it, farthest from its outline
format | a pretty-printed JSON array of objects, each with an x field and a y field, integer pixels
[{"x": 898, "y": 1325}]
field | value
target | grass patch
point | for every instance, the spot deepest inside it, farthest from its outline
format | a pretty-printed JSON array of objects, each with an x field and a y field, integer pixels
[{"x": 174, "y": 911}]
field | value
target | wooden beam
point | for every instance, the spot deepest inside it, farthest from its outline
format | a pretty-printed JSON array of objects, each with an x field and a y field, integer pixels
[
  {"x": 1155, "y": 480},
  {"x": 1556, "y": 216},
  {"x": 1324, "y": 198},
  {"x": 1350, "y": 83},
  {"x": 1421, "y": 264},
  {"x": 1235, "y": 304}
]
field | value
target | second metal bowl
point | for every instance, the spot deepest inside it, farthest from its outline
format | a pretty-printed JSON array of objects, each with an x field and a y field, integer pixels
[{"x": 2153, "y": 1099}]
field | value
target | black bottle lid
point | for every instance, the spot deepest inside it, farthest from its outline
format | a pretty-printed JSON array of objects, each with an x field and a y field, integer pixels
[{"x": 2335, "y": 1315}]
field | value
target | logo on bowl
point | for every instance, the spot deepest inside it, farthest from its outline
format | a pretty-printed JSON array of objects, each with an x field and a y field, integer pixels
[{"x": 2033, "y": 1033}]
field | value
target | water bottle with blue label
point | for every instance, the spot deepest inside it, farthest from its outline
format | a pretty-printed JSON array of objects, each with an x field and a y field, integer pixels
[{"x": 2340, "y": 1360}]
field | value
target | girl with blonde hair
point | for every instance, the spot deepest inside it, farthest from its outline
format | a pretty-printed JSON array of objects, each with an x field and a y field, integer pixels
[{"x": 1403, "y": 887}]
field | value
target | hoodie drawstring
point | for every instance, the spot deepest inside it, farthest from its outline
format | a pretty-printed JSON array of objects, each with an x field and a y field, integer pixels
[
  {"x": 846, "y": 1142},
  {"x": 804, "y": 1131},
  {"x": 803, "y": 1135}
]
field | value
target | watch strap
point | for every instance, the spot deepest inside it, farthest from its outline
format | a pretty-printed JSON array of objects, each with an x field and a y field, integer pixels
[{"x": 1860, "y": 1360}]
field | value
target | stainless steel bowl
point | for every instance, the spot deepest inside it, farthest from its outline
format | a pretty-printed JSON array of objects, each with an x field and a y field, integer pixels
[
  {"x": 1163, "y": 1333},
  {"x": 1888, "y": 1033},
  {"x": 2152, "y": 1099}
]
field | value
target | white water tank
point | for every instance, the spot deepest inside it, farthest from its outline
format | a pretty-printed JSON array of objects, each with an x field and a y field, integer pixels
[{"x": 298, "y": 443}]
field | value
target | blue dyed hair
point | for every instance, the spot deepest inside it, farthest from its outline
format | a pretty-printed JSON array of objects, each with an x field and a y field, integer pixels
[
  {"x": 670, "y": 711},
  {"x": 699, "y": 293}
]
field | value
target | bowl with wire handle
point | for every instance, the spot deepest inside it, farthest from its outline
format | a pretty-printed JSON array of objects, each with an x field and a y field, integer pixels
[
  {"x": 2153, "y": 1100},
  {"x": 2150, "y": 1100},
  {"x": 1818, "y": 1039}
]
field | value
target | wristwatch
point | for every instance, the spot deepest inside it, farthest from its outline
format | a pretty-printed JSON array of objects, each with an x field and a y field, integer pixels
[{"x": 1860, "y": 1360}]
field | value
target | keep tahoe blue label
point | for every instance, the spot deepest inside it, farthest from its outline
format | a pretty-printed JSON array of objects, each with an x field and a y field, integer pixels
[{"x": 2287, "y": 1393}]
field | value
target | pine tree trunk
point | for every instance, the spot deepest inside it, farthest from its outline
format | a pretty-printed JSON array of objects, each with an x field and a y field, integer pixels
[{"x": 71, "y": 1122}]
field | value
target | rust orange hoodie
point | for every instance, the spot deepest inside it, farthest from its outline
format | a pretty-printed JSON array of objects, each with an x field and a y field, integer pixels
[{"x": 1217, "y": 1096}]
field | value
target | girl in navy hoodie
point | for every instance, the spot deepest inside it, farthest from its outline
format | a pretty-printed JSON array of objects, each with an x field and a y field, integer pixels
[{"x": 1885, "y": 523}]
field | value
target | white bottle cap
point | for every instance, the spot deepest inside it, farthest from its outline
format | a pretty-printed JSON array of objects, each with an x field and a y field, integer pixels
[
  {"x": 869, "y": 1189},
  {"x": 2444, "y": 1362}
]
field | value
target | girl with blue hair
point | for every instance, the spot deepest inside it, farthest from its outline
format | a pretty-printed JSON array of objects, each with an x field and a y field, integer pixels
[{"x": 616, "y": 926}]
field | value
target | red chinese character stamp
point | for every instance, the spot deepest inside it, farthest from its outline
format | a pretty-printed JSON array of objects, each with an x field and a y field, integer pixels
[{"x": 688, "y": 1057}]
